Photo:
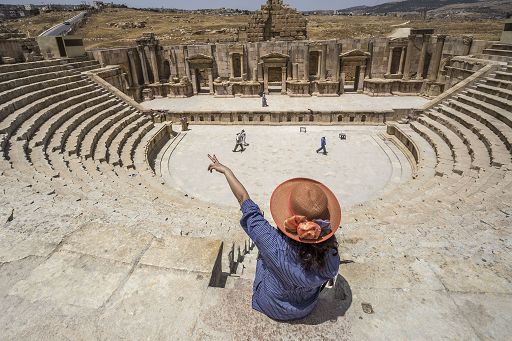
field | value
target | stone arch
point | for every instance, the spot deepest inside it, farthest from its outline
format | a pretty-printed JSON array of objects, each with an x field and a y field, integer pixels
[
  {"x": 363, "y": 118},
  {"x": 239, "y": 118},
  {"x": 340, "y": 118},
  {"x": 262, "y": 118},
  {"x": 212, "y": 118},
  {"x": 311, "y": 118}
]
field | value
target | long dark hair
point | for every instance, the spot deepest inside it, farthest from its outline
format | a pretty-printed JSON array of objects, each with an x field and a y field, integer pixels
[{"x": 312, "y": 256}]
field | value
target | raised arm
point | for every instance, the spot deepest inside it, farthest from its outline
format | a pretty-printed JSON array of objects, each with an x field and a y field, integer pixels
[{"x": 236, "y": 186}]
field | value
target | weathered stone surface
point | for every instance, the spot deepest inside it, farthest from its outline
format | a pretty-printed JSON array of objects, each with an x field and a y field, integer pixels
[
  {"x": 155, "y": 304},
  {"x": 113, "y": 242},
  {"x": 187, "y": 254},
  {"x": 68, "y": 278},
  {"x": 15, "y": 246}
]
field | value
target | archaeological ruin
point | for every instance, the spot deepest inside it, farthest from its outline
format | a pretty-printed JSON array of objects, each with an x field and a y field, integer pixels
[{"x": 113, "y": 229}]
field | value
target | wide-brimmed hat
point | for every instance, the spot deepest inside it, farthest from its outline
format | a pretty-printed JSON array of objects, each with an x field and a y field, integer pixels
[{"x": 308, "y": 198}]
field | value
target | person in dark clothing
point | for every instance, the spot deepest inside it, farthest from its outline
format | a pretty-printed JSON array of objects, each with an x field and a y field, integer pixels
[
  {"x": 323, "y": 143},
  {"x": 263, "y": 100},
  {"x": 239, "y": 142}
]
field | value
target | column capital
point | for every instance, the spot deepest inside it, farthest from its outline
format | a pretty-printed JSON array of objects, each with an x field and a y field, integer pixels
[
  {"x": 467, "y": 40},
  {"x": 440, "y": 37}
]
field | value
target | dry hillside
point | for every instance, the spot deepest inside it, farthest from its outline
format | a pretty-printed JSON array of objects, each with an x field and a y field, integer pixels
[{"x": 120, "y": 27}]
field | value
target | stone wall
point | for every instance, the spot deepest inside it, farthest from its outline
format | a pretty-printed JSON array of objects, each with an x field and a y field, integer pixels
[
  {"x": 276, "y": 21},
  {"x": 304, "y": 68}
]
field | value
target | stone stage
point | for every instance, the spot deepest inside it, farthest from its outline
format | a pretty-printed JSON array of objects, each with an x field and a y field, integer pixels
[
  {"x": 356, "y": 169},
  {"x": 279, "y": 103}
]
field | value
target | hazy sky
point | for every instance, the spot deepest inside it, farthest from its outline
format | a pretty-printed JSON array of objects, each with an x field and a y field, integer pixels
[{"x": 241, "y": 4}]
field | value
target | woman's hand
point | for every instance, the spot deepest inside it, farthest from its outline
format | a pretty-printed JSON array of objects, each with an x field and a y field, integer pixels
[
  {"x": 216, "y": 165},
  {"x": 236, "y": 187}
]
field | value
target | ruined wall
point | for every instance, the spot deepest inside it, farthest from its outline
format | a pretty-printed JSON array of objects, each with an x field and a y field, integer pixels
[{"x": 276, "y": 21}]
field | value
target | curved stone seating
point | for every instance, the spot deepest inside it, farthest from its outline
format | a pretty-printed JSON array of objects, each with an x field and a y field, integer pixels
[
  {"x": 113, "y": 150},
  {"x": 74, "y": 142},
  {"x": 494, "y": 118},
  {"x": 50, "y": 126},
  {"x": 133, "y": 141},
  {"x": 477, "y": 150},
  {"x": 110, "y": 131},
  {"x": 9, "y": 125},
  {"x": 69, "y": 124},
  {"x": 445, "y": 163},
  {"x": 463, "y": 114},
  {"x": 102, "y": 129}
]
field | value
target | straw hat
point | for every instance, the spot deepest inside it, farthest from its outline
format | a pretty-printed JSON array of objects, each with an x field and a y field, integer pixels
[{"x": 305, "y": 197}]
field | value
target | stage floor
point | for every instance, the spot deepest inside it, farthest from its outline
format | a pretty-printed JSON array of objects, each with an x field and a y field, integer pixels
[
  {"x": 280, "y": 103},
  {"x": 356, "y": 169}
]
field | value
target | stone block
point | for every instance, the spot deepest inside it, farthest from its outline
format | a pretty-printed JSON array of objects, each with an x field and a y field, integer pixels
[{"x": 69, "y": 278}]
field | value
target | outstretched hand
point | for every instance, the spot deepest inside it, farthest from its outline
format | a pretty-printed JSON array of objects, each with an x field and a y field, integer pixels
[{"x": 216, "y": 165}]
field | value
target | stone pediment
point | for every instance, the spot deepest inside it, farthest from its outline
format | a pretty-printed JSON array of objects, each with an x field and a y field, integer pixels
[
  {"x": 275, "y": 57},
  {"x": 355, "y": 53},
  {"x": 200, "y": 59}
]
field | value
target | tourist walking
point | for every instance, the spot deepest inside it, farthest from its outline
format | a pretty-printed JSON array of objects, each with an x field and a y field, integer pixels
[
  {"x": 300, "y": 257},
  {"x": 323, "y": 143},
  {"x": 263, "y": 100},
  {"x": 244, "y": 135},
  {"x": 239, "y": 142}
]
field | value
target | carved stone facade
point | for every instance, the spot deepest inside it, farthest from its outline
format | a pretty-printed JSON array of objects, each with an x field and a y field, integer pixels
[
  {"x": 415, "y": 64},
  {"x": 276, "y": 21}
]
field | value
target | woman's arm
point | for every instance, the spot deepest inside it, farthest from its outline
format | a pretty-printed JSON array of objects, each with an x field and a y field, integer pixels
[{"x": 236, "y": 187}]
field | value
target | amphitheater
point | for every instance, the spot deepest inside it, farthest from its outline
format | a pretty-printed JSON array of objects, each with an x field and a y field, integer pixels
[{"x": 113, "y": 229}]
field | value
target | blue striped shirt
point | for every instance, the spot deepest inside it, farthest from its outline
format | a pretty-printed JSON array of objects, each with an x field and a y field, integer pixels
[{"x": 282, "y": 289}]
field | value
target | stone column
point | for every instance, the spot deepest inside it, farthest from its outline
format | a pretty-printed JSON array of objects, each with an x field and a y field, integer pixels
[
  {"x": 408, "y": 56},
  {"x": 210, "y": 80},
  {"x": 401, "y": 66},
  {"x": 323, "y": 62},
  {"x": 421, "y": 63},
  {"x": 283, "y": 80},
  {"x": 362, "y": 71},
  {"x": 255, "y": 74},
  {"x": 436, "y": 61},
  {"x": 242, "y": 64},
  {"x": 133, "y": 69},
  {"x": 295, "y": 75},
  {"x": 154, "y": 64},
  {"x": 390, "y": 60},
  {"x": 232, "y": 65},
  {"x": 306, "y": 63},
  {"x": 265, "y": 79},
  {"x": 467, "y": 41},
  {"x": 194, "y": 81},
  {"x": 143, "y": 65},
  {"x": 342, "y": 76}
]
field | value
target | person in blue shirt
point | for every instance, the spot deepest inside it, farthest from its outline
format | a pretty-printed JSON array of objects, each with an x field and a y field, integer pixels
[
  {"x": 297, "y": 259},
  {"x": 323, "y": 143}
]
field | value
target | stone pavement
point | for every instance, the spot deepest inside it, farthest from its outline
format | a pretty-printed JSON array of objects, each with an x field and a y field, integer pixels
[
  {"x": 356, "y": 169},
  {"x": 346, "y": 103}
]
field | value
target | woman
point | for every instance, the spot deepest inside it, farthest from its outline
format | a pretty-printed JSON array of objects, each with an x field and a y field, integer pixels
[{"x": 296, "y": 260}]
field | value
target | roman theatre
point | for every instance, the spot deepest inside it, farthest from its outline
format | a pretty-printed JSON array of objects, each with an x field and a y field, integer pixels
[{"x": 112, "y": 228}]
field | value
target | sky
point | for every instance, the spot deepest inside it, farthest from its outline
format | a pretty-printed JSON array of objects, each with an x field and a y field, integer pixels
[{"x": 303, "y": 5}]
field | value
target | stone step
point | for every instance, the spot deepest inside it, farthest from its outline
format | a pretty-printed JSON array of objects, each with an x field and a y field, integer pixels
[
  {"x": 69, "y": 125},
  {"x": 480, "y": 126},
  {"x": 492, "y": 99},
  {"x": 5, "y": 69},
  {"x": 503, "y": 75},
  {"x": 498, "y": 113},
  {"x": 128, "y": 150},
  {"x": 496, "y": 91},
  {"x": 502, "y": 46},
  {"x": 113, "y": 151},
  {"x": 10, "y": 125},
  {"x": 477, "y": 150},
  {"x": 29, "y": 126},
  {"x": 458, "y": 150},
  {"x": 90, "y": 142},
  {"x": 50, "y": 126},
  {"x": 74, "y": 142},
  {"x": 498, "y": 52}
]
